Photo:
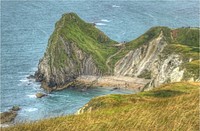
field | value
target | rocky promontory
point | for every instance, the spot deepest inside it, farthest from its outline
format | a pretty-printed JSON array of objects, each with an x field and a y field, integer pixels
[
  {"x": 77, "y": 49},
  {"x": 9, "y": 116}
]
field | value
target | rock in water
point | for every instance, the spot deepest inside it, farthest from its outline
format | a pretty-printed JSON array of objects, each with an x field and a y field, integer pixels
[
  {"x": 31, "y": 77},
  {"x": 15, "y": 108},
  {"x": 7, "y": 116},
  {"x": 40, "y": 95}
]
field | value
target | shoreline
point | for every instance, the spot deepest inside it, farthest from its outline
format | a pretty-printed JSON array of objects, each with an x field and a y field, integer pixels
[
  {"x": 115, "y": 82},
  {"x": 112, "y": 82}
]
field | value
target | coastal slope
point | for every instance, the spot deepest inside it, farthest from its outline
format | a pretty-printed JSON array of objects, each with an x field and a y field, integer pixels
[
  {"x": 169, "y": 107},
  {"x": 77, "y": 49}
]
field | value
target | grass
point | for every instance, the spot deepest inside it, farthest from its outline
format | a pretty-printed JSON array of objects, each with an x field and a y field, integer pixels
[
  {"x": 145, "y": 74},
  {"x": 186, "y": 52},
  {"x": 172, "y": 106},
  {"x": 191, "y": 69},
  {"x": 188, "y": 36}
]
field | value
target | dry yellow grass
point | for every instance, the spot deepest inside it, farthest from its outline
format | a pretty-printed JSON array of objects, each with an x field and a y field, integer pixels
[{"x": 168, "y": 108}]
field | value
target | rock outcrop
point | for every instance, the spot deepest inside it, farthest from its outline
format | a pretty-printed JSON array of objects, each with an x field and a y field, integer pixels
[
  {"x": 40, "y": 95},
  {"x": 76, "y": 48},
  {"x": 9, "y": 116}
]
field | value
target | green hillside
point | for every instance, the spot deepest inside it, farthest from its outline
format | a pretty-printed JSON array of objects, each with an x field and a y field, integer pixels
[
  {"x": 72, "y": 29},
  {"x": 169, "y": 107}
]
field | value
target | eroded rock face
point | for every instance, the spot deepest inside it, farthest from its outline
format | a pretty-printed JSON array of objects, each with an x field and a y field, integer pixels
[
  {"x": 79, "y": 63},
  {"x": 163, "y": 68},
  {"x": 140, "y": 59}
]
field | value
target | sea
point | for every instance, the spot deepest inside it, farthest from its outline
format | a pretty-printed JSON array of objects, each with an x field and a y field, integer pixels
[{"x": 27, "y": 25}]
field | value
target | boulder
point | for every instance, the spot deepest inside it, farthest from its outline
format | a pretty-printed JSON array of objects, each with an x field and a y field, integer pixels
[
  {"x": 15, "y": 108},
  {"x": 31, "y": 77},
  {"x": 40, "y": 95}
]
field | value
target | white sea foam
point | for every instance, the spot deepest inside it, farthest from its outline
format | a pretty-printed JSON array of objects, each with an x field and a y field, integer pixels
[
  {"x": 34, "y": 69},
  {"x": 31, "y": 109},
  {"x": 104, "y": 20},
  {"x": 115, "y": 6},
  {"x": 24, "y": 80},
  {"x": 21, "y": 72},
  {"x": 100, "y": 24},
  {"x": 31, "y": 96}
]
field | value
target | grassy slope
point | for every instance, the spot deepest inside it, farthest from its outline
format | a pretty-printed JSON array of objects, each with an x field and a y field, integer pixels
[
  {"x": 170, "y": 107},
  {"x": 88, "y": 38}
]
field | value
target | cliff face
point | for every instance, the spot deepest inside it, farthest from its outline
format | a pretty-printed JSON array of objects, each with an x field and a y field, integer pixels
[
  {"x": 55, "y": 77},
  {"x": 77, "y": 48},
  {"x": 161, "y": 60}
]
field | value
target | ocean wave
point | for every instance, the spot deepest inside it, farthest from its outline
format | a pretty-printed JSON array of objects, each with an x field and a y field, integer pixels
[
  {"x": 34, "y": 69},
  {"x": 24, "y": 80},
  {"x": 104, "y": 20},
  {"x": 115, "y": 6},
  {"x": 31, "y": 96},
  {"x": 58, "y": 95},
  {"x": 31, "y": 109},
  {"x": 100, "y": 24}
]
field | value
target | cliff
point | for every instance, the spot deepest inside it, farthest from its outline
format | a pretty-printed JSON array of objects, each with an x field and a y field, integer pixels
[
  {"x": 76, "y": 48},
  {"x": 165, "y": 58}
]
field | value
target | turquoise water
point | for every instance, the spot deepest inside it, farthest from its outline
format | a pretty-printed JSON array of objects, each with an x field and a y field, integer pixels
[{"x": 27, "y": 25}]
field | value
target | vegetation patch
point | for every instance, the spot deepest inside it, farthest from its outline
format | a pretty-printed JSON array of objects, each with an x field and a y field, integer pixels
[
  {"x": 145, "y": 74},
  {"x": 188, "y": 36},
  {"x": 164, "y": 93},
  {"x": 184, "y": 51},
  {"x": 191, "y": 69}
]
